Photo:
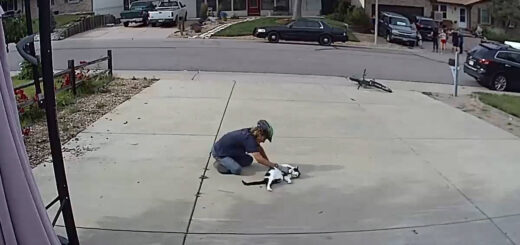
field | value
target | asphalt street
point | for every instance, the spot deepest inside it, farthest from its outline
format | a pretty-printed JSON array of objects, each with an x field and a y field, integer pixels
[{"x": 253, "y": 56}]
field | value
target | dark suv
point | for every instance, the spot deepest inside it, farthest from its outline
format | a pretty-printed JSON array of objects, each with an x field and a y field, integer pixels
[
  {"x": 496, "y": 66},
  {"x": 396, "y": 27},
  {"x": 425, "y": 26}
]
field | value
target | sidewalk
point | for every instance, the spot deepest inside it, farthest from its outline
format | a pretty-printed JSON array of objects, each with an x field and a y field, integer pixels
[{"x": 378, "y": 168}]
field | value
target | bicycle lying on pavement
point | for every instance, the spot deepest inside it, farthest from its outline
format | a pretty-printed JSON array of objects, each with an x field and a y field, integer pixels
[{"x": 370, "y": 83}]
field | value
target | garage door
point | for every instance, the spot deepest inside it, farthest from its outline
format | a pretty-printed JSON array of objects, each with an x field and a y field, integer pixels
[{"x": 404, "y": 10}]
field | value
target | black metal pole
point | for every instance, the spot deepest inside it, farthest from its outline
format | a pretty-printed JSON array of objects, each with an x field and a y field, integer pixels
[
  {"x": 52, "y": 121},
  {"x": 32, "y": 52}
]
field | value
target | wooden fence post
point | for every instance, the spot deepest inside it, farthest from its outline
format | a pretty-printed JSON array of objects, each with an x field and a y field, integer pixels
[
  {"x": 110, "y": 67},
  {"x": 72, "y": 76}
]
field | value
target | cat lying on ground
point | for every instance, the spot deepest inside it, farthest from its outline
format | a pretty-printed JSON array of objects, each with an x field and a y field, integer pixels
[{"x": 274, "y": 175}]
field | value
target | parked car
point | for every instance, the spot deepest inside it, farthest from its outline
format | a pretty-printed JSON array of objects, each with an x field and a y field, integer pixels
[
  {"x": 397, "y": 28},
  {"x": 425, "y": 26},
  {"x": 308, "y": 30},
  {"x": 496, "y": 66},
  {"x": 138, "y": 13},
  {"x": 168, "y": 12}
]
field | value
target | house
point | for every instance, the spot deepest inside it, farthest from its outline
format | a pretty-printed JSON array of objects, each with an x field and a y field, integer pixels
[
  {"x": 113, "y": 7},
  {"x": 407, "y": 8},
  {"x": 455, "y": 13},
  {"x": 466, "y": 14}
]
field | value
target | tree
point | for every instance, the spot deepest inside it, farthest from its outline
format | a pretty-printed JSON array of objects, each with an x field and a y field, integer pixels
[
  {"x": 506, "y": 12},
  {"x": 297, "y": 11}
]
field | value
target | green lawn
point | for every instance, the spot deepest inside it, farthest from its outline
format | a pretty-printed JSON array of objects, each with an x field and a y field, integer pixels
[
  {"x": 507, "y": 103},
  {"x": 29, "y": 91},
  {"x": 61, "y": 20},
  {"x": 246, "y": 28}
]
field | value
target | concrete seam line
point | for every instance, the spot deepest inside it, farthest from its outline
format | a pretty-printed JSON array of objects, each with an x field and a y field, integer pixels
[
  {"x": 195, "y": 75},
  {"x": 296, "y": 233},
  {"x": 203, "y": 176},
  {"x": 461, "y": 193}
]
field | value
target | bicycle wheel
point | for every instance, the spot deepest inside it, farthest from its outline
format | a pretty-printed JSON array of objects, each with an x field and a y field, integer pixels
[{"x": 380, "y": 86}]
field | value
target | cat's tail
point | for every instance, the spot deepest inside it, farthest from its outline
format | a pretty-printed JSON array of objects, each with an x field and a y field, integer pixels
[{"x": 262, "y": 182}]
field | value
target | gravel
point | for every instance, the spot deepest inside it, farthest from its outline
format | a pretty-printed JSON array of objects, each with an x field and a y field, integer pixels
[
  {"x": 76, "y": 117},
  {"x": 472, "y": 105}
]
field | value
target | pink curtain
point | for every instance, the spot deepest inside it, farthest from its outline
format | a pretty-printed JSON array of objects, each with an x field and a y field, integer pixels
[{"x": 23, "y": 218}]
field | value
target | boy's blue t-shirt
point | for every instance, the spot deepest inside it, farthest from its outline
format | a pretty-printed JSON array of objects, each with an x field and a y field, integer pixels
[{"x": 235, "y": 143}]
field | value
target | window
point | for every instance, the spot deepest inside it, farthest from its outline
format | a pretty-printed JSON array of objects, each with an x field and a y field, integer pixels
[
  {"x": 169, "y": 4},
  {"x": 313, "y": 24},
  {"x": 484, "y": 16},
  {"x": 267, "y": 4},
  {"x": 441, "y": 8},
  {"x": 399, "y": 21},
  {"x": 239, "y": 4},
  {"x": 9, "y": 5},
  {"x": 462, "y": 15},
  {"x": 515, "y": 57},
  {"x": 509, "y": 56},
  {"x": 299, "y": 24},
  {"x": 224, "y": 5}
]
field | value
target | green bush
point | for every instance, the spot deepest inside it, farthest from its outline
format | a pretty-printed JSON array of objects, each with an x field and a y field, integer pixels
[
  {"x": 500, "y": 35},
  {"x": 27, "y": 73},
  {"x": 359, "y": 20},
  {"x": 204, "y": 11},
  {"x": 342, "y": 10},
  {"x": 15, "y": 29}
]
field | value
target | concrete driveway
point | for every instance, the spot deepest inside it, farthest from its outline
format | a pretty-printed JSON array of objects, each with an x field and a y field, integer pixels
[
  {"x": 133, "y": 32},
  {"x": 378, "y": 168}
]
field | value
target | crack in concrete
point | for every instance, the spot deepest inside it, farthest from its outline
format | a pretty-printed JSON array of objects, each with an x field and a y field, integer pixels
[{"x": 197, "y": 195}]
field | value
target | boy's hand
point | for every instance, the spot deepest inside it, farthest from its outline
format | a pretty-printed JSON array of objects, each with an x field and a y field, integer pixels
[{"x": 285, "y": 170}]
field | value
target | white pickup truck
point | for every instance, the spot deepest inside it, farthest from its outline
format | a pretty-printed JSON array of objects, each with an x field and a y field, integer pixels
[{"x": 168, "y": 12}]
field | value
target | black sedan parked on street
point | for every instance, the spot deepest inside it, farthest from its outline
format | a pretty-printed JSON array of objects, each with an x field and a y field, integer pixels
[{"x": 307, "y": 30}]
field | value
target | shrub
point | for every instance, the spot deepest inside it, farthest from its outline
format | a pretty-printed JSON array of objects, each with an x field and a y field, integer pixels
[
  {"x": 27, "y": 73},
  {"x": 204, "y": 11},
  {"x": 359, "y": 20},
  {"x": 15, "y": 29},
  {"x": 500, "y": 35},
  {"x": 342, "y": 10}
]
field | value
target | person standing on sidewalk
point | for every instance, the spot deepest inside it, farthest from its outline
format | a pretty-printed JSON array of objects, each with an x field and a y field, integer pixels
[
  {"x": 231, "y": 151},
  {"x": 444, "y": 39},
  {"x": 455, "y": 41},
  {"x": 461, "y": 43},
  {"x": 435, "y": 40}
]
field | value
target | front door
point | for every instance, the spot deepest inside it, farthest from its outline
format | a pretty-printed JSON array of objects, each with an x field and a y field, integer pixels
[
  {"x": 253, "y": 7},
  {"x": 463, "y": 18}
]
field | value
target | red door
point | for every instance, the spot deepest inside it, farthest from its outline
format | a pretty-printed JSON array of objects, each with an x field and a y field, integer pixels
[{"x": 253, "y": 7}]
